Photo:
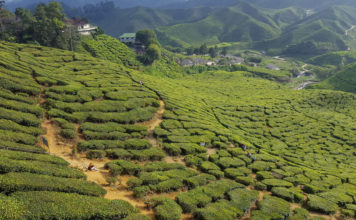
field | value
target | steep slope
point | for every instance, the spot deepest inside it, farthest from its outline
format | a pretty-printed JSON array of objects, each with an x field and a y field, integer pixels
[
  {"x": 344, "y": 80},
  {"x": 34, "y": 184},
  {"x": 111, "y": 49},
  {"x": 242, "y": 22}
]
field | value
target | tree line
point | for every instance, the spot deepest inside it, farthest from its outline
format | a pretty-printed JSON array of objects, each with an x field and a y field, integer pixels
[
  {"x": 46, "y": 25},
  {"x": 203, "y": 50}
]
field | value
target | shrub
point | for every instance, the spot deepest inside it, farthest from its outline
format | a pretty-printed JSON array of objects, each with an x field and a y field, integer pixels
[
  {"x": 170, "y": 185},
  {"x": 126, "y": 167},
  {"x": 191, "y": 200},
  {"x": 337, "y": 196},
  {"x": 316, "y": 203},
  {"x": 195, "y": 181},
  {"x": 119, "y": 154},
  {"x": 11, "y": 136},
  {"x": 12, "y": 182},
  {"x": 246, "y": 180},
  {"x": 68, "y": 133},
  {"x": 141, "y": 191},
  {"x": 162, "y": 166},
  {"x": 262, "y": 166},
  {"x": 289, "y": 194},
  {"x": 217, "y": 173},
  {"x": 274, "y": 206},
  {"x": 134, "y": 182},
  {"x": 12, "y": 126},
  {"x": 222, "y": 209},
  {"x": 39, "y": 167},
  {"x": 165, "y": 208},
  {"x": 95, "y": 154},
  {"x": 56, "y": 205},
  {"x": 15, "y": 155},
  {"x": 11, "y": 208},
  {"x": 242, "y": 198},
  {"x": 226, "y": 162},
  {"x": 206, "y": 166},
  {"x": 276, "y": 183}
]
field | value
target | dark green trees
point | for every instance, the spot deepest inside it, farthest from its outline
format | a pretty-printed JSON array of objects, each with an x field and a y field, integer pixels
[
  {"x": 153, "y": 49},
  {"x": 47, "y": 26}
]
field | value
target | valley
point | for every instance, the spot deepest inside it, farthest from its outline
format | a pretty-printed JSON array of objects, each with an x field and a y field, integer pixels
[{"x": 211, "y": 110}]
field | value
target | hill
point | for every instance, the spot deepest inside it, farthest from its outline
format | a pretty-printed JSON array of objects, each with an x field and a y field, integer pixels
[
  {"x": 115, "y": 21},
  {"x": 316, "y": 34},
  {"x": 224, "y": 25},
  {"x": 344, "y": 80},
  {"x": 156, "y": 129}
]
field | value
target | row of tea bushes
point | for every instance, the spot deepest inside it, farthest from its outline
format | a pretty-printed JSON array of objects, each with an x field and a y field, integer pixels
[{"x": 40, "y": 186}]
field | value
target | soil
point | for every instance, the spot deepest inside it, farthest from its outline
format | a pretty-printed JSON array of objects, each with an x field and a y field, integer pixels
[
  {"x": 63, "y": 148},
  {"x": 153, "y": 123}
]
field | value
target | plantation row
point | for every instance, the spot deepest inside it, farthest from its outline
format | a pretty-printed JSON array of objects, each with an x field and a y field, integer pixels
[
  {"x": 40, "y": 186},
  {"x": 300, "y": 145}
]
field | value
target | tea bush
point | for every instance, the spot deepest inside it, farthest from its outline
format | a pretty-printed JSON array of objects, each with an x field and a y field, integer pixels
[
  {"x": 56, "y": 205},
  {"x": 12, "y": 182}
]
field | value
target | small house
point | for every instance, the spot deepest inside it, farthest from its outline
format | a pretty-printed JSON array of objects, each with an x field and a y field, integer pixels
[
  {"x": 85, "y": 28},
  {"x": 128, "y": 38}
]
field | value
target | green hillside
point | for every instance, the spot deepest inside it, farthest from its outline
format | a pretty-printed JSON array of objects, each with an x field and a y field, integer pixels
[
  {"x": 111, "y": 49},
  {"x": 34, "y": 184},
  {"x": 319, "y": 33},
  {"x": 117, "y": 21},
  {"x": 344, "y": 80},
  {"x": 242, "y": 22},
  {"x": 180, "y": 139}
]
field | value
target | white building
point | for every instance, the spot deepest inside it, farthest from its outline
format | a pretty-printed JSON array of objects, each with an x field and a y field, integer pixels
[{"x": 86, "y": 29}]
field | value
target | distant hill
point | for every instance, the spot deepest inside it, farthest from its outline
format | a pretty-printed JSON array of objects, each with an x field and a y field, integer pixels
[
  {"x": 242, "y": 22},
  {"x": 344, "y": 80},
  {"x": 319, "y": 33},
  {"x": 116, "y": 21}
]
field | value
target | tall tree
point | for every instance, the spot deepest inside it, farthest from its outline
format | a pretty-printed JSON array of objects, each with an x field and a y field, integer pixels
[
  {"x": 203, "y": 49},
  {"x": 146, "y": 37}
]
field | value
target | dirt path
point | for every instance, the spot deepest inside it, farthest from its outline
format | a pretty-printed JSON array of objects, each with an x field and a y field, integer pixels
[
  {"x": 63, "y": 149},
  {"x": 153, "y": 123}
]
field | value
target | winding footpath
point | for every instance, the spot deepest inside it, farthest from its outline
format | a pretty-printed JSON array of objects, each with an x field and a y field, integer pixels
[{"x": 63, "y": 148}]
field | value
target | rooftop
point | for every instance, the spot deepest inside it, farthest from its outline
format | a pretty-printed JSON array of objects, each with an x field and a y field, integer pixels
[{"x": 128, "y": 35}]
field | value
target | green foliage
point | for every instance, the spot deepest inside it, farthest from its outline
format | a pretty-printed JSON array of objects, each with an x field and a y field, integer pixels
[
  {"x": 50, "y": 205},
  {"x": 95, "y": 154},
  {"x": 273, "y": 206},
  {"x": 109, "y": 48},
  {"x": 320, "y": 204},
  {"x": 242, "y": 198},
  {"x": 165, "y": 208},
  {"x": 12, "y": 182},
  {"x": 8, "y": 165}
]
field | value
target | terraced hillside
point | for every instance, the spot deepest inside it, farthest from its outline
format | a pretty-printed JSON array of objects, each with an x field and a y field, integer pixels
[{"x": 215, "y": 145}]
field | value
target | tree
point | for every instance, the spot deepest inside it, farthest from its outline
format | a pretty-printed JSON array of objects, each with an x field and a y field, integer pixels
[
  {"x": 203, "y": 49},
  {"x": 153, "y": 52},
  {"x": 190, "y": 51},
  {"x": 213, "y": 51},
  {"x": 27, "y": 21},
  {"x": 49, "y": 24},
  {"x": 147, "y": 37},
  {"x": 224, "y": 51}
]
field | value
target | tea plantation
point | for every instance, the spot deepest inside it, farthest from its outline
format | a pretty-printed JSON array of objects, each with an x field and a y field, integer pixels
[{"x": 241, "y": 146}]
